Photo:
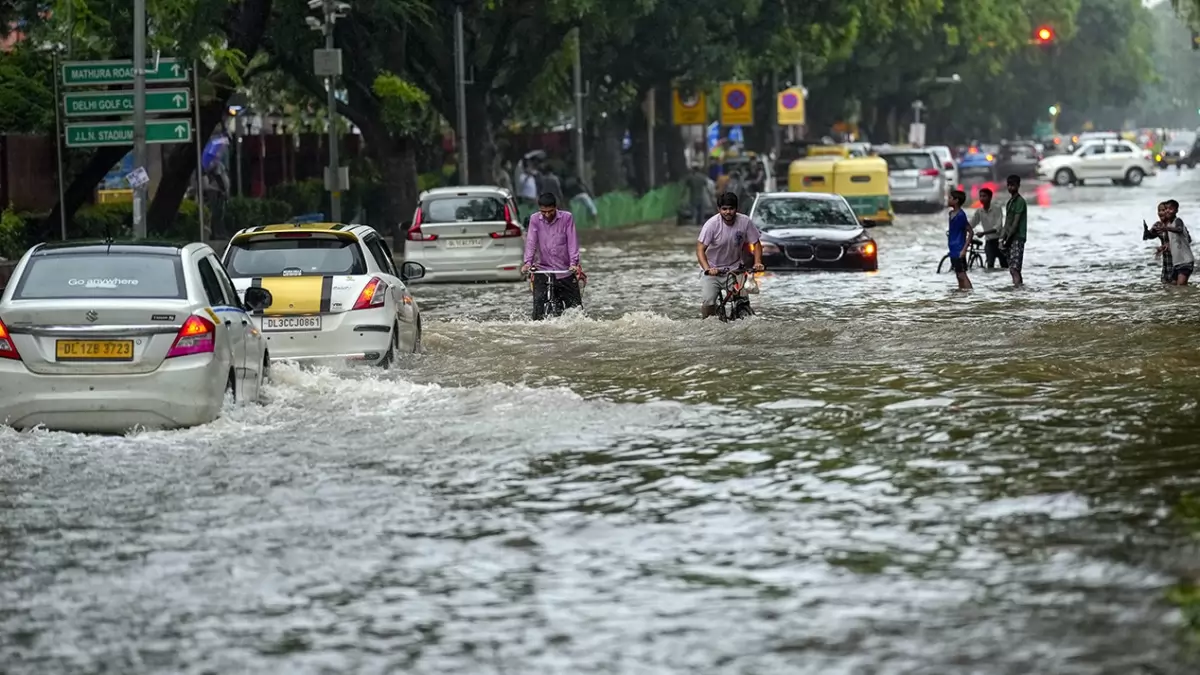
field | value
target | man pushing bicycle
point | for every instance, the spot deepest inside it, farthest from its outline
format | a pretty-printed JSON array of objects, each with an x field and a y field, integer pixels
[
  {"x": 719, "y": 249},
  {"x": 551, "y": 244}
]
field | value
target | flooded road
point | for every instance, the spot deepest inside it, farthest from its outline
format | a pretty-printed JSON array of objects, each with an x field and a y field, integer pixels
[{"x": 875, "y": 475}]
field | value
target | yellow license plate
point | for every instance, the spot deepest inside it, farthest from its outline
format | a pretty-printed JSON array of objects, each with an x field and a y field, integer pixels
[{"x": 94, "y": 350}]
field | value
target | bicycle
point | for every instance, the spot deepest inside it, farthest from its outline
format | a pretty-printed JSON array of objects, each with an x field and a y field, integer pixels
[
  {"x": 552, "y": 305},
  {"x": 733, "y": 289},
  {"x": 974, "y": 257}
]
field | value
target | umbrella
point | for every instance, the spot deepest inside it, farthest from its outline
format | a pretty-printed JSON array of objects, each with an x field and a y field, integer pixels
[{"x": 213, "y": 151}]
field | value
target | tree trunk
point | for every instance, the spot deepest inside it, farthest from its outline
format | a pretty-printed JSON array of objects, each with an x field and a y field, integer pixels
[
  {"x": 79, "y": 190},
  {"x": 675, "y": 166},
  {"x": 481, "y": 140},
  {"x": 245, "y": 27},
  {"x": 398, "y": 170},
  {"x": 639, "y": 152},
  {"x": 673, "y": 158},
  {"x": 608, "y": 157},
  {"x": 179, "y": 167},
  {"x": 758, "y": 135}
]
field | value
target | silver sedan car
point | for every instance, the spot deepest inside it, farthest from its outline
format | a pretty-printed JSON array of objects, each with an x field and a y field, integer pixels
[
  {"x": 916, "y": 179},
  {"x": 108, "y": 337}
]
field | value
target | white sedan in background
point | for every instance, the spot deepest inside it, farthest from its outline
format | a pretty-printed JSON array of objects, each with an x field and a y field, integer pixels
[
  {"x": 104, "y": 338},
  {"x": 337, "y": 294},
  {"x": 1118, "y": 161},
  {"x": 468, "y": 233}
]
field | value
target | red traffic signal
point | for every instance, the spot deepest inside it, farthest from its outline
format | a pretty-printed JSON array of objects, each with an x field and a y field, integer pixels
[{"x": 1045, "y": 34}]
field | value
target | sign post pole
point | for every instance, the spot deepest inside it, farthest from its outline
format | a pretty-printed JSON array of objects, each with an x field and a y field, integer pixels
[
  {"x": 139, "y": 114},
  {"x": 58, "y": 143}
]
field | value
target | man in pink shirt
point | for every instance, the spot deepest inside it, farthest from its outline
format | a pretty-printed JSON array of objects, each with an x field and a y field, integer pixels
[
  {"x": 551, "y": 244},
  {"x": 720, "y": 247}
]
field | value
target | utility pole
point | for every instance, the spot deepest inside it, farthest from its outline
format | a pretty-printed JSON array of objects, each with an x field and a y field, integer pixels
[
  {"x": 580, "y": 162},
  {"x": 139, "y": 115},
  {"x": 651, "y": 155},
  {"x": 460, "y": 91},
  {"x": 327, "y": 63}
]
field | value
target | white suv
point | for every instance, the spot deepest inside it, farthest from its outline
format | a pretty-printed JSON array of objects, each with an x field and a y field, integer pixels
[{"x": 1118, "y": 161}]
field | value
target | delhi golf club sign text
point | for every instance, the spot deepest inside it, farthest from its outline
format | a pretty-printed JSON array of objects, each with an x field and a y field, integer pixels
[{"x": 100, "y": 103}]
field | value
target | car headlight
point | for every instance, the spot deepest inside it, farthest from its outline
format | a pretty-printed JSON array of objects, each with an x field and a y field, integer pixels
[
  {"x": 864, "y": 247},
  {"x": 769, "y": 248}
]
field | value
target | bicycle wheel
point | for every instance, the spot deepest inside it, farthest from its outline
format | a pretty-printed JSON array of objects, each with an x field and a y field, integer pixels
[
  {"x": 975, "y": 260},
  {"x": 945, "y": 259}
]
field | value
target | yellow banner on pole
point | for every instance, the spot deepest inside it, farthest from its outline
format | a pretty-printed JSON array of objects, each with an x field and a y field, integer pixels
[
  {"x": 737, "y": 104},
  {"x": 689, "y": 109},
  {"x": 791, "y": 106}
]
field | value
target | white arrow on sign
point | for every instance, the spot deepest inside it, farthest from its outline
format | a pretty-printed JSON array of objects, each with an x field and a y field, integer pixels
[
  {"x": 175, "y": 69},
  {"x": 180, "y": 130},
  {"x": 178, "y": 99}
]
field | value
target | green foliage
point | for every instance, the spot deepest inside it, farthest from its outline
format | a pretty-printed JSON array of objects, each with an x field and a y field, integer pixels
[
  {"x": 26, "y": 94},
  {"x": 12, "y": 234},
  {"x": 243, "y": 212}
]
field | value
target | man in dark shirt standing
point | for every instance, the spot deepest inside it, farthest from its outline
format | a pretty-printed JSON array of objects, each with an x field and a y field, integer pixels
[{"x": 1012, "y": 237}]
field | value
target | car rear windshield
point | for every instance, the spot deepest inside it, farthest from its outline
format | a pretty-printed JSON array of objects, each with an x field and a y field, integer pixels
[
  {"x": 772, "y": 214},
  {"x": 295, "y": 257},
  {"x": 71, "y": 276},
  {"x": 471, "y": 209},
  {"x": 908, "y": 160}
]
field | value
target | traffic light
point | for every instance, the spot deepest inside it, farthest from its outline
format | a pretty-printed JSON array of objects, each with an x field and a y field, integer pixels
[{"x": 1045, "y": 35}]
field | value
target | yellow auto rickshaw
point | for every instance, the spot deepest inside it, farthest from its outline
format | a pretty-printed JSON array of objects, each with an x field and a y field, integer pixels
[
  {"x": 863, "y": 181},
  {"x": 828, "y": 151},
  {"x": 811, "y": 174}
]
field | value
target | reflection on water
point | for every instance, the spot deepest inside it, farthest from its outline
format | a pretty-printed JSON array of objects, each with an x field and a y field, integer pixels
[{"x": 875, "y": 475}]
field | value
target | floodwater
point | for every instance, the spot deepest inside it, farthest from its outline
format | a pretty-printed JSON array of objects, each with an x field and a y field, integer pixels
[{"x": 876, "y": 475}]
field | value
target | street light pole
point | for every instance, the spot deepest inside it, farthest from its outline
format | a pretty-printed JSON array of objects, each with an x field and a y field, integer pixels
[
  {"x": 580, "y": 161},
  {"x": 327, "y": 63},
  {"x": 139, "y": 114},
  {"x": 335, "y": 193},
  {"x": 460, "y": 94}
]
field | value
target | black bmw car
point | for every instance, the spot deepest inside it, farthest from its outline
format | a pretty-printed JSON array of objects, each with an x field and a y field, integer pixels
[{"x": 812, "y": 231}]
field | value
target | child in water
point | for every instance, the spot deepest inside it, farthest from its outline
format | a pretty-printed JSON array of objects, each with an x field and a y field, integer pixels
[
  {"x": 1179, "y": 244},
  {"x": 1163, "y": 251}
]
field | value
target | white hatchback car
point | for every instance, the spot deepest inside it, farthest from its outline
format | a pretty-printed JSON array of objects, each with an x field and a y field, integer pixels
[
  {"x": 1118, "y": 161},
  {"x": 337, "y": 295},
  {"x": 467, "y": 233},
  {"x": 108, "y": 337}
]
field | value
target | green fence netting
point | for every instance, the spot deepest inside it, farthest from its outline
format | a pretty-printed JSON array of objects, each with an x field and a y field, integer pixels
[{"x": 617, "y": 209}]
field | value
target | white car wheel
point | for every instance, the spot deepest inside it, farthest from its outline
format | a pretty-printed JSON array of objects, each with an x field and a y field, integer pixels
[
  {"x": 1064, "y": 177},
  {"x": 1134, "y": 176}
]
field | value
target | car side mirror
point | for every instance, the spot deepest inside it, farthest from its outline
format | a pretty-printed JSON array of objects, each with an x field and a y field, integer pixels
[
  {"x": 949, "y": 166},
  {"x": 411, "y": 270},
  {"x": 256, "y": 299}
]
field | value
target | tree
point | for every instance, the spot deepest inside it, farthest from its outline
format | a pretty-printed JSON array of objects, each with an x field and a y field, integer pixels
[{"x": 240, "y": 33}]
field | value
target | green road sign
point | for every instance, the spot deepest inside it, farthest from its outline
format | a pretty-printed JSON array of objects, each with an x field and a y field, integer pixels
[
  {"x": 94, "y": 103},
  {"x": 86, "y": 73},
  {"x": 95, "y": 134}
]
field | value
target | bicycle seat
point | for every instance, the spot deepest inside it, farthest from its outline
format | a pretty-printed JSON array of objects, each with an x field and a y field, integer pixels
[{"x": 977, "y": 242}]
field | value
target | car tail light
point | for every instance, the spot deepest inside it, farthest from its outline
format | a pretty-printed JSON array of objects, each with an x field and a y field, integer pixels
[
  {"x": 8, "y": 350},
  {"x": 511, "y": 229},
  {"x": 930, "y": 172},
  {"x": 197, "y": 335},
  {"x": 293, "y": 235},
  {"x": 373, "y": 294},
  {"x": 415, "y": 233}
]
